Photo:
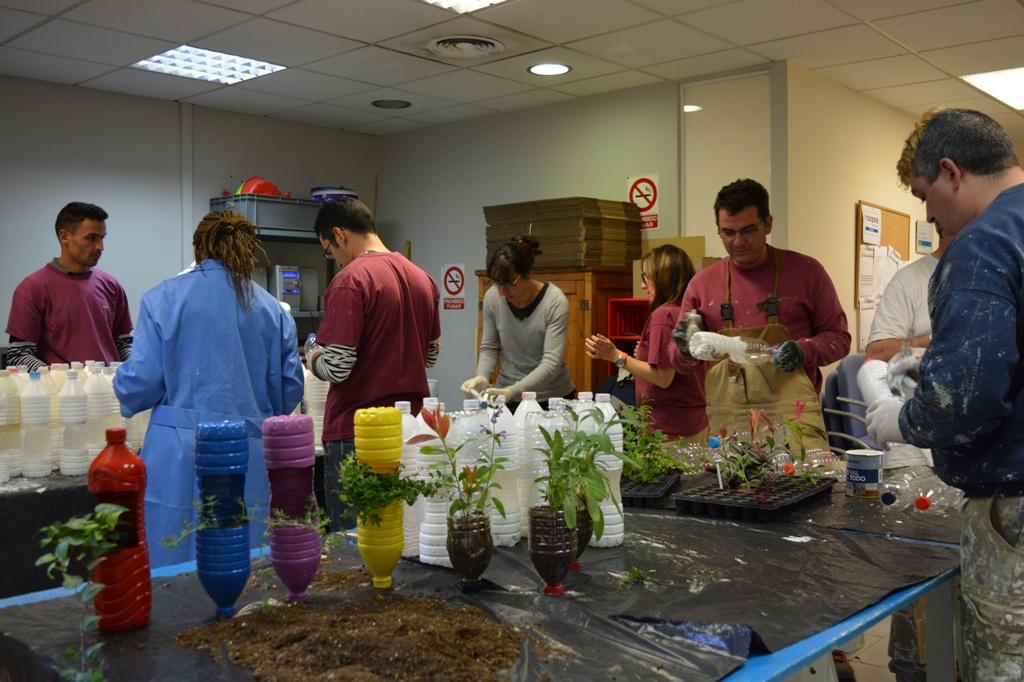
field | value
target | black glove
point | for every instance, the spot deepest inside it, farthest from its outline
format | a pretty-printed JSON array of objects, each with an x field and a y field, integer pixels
[
  {"x": 788, "y": 356},
  {"x": 686, "y": 326}
]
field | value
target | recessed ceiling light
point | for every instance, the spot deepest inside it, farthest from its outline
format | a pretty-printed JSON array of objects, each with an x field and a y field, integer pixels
[
  {"x": 1007, "y": 85},
  {"x": 549, "y": 69},
  {"x": 391, "y": 103},
  {"x": 690, "y": 108},
  {"x": 206, "y": 65},
  {"x": 463, "y": 6}
]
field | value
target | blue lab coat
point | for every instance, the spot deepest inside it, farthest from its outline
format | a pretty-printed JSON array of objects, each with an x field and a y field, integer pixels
[{"x": 200, "y": 356}]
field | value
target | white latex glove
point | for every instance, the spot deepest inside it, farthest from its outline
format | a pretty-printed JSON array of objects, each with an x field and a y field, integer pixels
[
  {"x": 474, "y": 387},
  {"x": 904, "y": 362},
  {"x": 312, "y": 354},
  {"x": 883, "y": 421},
  {"x": 497, "y": 392}
]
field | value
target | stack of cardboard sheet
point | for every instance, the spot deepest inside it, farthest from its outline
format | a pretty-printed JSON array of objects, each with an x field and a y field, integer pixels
[{"x": 576, "y": 231}]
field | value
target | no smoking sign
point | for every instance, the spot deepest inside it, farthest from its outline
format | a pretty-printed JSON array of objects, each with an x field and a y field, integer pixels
[
  {"x": 453, "y": 281},
  {"x": 642, "y": 190}
]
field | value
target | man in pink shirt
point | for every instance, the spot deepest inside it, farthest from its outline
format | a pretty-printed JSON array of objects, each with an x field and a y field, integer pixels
[
  {"x": 782, "y": 297},
  {"x": 69, "y": 310}
]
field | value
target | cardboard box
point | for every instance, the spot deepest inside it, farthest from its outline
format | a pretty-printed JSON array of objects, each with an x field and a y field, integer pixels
[{"x": 693, "y": 246}]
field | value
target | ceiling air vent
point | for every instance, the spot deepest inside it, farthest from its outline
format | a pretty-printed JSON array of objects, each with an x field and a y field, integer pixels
[{"x": 465, "y": 47}]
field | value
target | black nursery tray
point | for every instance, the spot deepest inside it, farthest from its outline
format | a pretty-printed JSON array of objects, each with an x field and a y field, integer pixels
[
  {"x": 635, "y": 494},
  {"x": 787, "y": 496}
]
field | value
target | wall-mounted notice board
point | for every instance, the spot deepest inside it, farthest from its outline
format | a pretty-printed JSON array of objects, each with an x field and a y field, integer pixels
[{"x": 883, "y": 245}]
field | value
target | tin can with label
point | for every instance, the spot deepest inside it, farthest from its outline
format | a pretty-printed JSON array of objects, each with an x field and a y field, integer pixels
[{"x": 863, "y": 473}]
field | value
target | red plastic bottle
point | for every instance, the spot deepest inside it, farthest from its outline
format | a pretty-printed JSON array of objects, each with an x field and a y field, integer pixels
[{"x": 118, "y": 476}]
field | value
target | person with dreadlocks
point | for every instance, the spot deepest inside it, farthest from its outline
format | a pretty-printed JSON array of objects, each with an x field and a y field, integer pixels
[{"x": 209, "y": 345}]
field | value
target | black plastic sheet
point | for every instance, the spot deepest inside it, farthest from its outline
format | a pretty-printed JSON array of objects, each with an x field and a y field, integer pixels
[{"x": 26, "y": 505}]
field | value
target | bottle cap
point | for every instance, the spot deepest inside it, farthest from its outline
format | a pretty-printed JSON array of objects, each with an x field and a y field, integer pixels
[
  {"x": 529, "y": 395},
  {"x": 714, "y": 442}
]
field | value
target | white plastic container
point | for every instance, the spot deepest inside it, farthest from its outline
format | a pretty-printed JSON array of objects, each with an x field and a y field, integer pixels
[
  {"x": 52, "y": 389},
  {"x": 413, "y": 516},
  {"x": 35, "y": 429},
  {"x": 72, "y": 413},
  {"x": 103, "y": 412},
  {"x": 10, "y": 423},
  {"x": 315, "y": 398},
  {"x": 614, "y": 523}
]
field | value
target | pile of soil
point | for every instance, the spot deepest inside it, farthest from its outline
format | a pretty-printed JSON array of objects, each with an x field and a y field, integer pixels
[
  {"x": 341, "y": 580},
  {"x": 383, "y": 638}
]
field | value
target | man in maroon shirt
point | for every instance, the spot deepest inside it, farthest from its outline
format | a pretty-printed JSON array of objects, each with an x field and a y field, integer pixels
[
  {"x": 69, "y": 310},
  {"x": 380, "y": 331},
  {"x": 782, "y": 297}
]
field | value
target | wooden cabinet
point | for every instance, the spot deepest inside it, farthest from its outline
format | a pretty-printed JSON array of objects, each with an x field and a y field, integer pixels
[{"x": 588, "y": 291}]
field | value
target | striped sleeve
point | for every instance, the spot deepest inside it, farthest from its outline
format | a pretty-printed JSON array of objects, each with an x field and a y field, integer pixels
[
  {"x": 124, "y": 346},
  {"x": 335, "y": 363},
  {"x": 433, "y": 350},
  {"x": 24, "y": 354}
]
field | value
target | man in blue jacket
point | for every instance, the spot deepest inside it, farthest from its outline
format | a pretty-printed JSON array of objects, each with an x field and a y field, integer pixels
[{"x": 969, "y": 405}]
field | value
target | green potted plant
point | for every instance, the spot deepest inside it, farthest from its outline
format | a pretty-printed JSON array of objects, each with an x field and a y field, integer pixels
[
  {"x": 82, "y": 541},
  {"x": 653, "y": 470},
  {"x": 469, "y": 541},
  {"x": 573, "y": 489}
]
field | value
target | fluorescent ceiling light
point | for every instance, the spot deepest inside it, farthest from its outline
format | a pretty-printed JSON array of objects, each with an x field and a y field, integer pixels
[
  {"x": 690, "y": 108},
  {"x": 463, "y": 6},
  {"x": 1007, "y": 86},
  {"x": 549, "y": 69},
  {"x": 206, "y": 65}
]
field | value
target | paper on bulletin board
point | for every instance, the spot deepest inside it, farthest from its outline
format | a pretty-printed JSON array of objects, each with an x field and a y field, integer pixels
[
  {"x": 871, "y": 224},
  {"x": 867, "y": 291},
  {"x": 925, "y": 233},
  {"x": 865, "y": 317}
]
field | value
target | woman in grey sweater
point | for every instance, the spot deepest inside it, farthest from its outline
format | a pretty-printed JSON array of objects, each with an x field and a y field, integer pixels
[{"x": 525, "y": 324}]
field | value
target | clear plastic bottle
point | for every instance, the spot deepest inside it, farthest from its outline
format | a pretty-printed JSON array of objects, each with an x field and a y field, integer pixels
[
  {"x": 917, "y": 488},
  {"x": 10, "y": 423},
  {"x": 742, "y": 349},
  {"x": 52, "y": 389},
  {"x": 614, "y": 521},
  {"x": 413, "y": 516},
  {"x": 100, "y": 406},
  {"x": 72, "y": 413},
  {"x": 35, "y": 428}
]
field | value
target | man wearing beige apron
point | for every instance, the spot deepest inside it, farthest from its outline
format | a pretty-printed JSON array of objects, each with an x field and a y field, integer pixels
[{"x": 781, "y": 297}]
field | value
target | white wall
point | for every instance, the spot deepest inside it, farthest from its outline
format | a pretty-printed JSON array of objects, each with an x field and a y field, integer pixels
[
  {"x": 153, "y": 166},
  {"x": 435, "y": 182},
  {"x": 842, "y": 148}
]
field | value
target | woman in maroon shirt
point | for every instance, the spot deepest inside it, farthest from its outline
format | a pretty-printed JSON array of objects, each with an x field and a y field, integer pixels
[{"x": 677, "y": 400}]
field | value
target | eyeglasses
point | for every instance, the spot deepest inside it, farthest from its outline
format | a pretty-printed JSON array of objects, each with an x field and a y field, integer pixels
[
  {"x": 506, "y": 285},
  {"x": 748, "y": 231}
]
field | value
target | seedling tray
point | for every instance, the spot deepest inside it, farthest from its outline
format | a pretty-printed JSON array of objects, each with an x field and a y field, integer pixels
[
  {"x": 635, "y": 494},
  {"x": 788, "y": 495}
]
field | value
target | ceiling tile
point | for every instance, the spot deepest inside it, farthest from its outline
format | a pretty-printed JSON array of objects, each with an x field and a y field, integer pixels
[
  {"x": 706, "y": 64},
  {"x": 934, "y": 92},
  {"x": 368, "y": 20},
  {"x": 148, "y": 84},
  {"x": 42, "y": 6},
  {"x": 328, "y": 116},
  {"x": 387, "y": 126},
  {"x": 251, "y": 6},
  {"x": 180, "y": 21},
  {"x": 235, "y": 98},
  {"x": 675, "y": 7},
  {"x": 615, "y": 81},
  {"x": 377, "y": 65},
  {"x": 984, "y": 20},
  {"x": 650, "y": 44},
  {"x": 879, "y": 73},
  {"x": 986, "y": 105},
  {"x": 566, "y": 20},
  {"x": 828, "y": 48},
  {"x": 583, "y": 66},
  {"x": 45, "y": 67},
  {"x": 524, "y": 100},
  {"x": 515, "y": 43},
  {"x": 756, "y": 21},
  {"x": 992, "y": 55},
  {"x": 363, "y": 101},
  {"x": 13, "y": 22},
  {"x": 307, "y": 85},
  {"x": 880, "y": 9},
  {"x": 68, "y": 39},
  {"x": 459, "y": 112},
  {"x": 275, "y": 42},
  {"x": 464, "y": 86}
]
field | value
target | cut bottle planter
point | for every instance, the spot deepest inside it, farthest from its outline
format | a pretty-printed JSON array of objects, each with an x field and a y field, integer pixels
[
  {"x": 552, "y": 547},
  {"x": 470, "y": 546}
]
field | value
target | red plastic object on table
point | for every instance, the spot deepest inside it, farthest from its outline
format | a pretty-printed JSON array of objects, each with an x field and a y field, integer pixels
[
  {"x": 258, "y": 185},
  {"x": 118, "y": 476}
]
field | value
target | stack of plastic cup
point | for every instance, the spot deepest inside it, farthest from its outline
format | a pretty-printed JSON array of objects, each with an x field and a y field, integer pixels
[
  {"x": 294, "y": 548},
  {"x": 222, "y": 543}
]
